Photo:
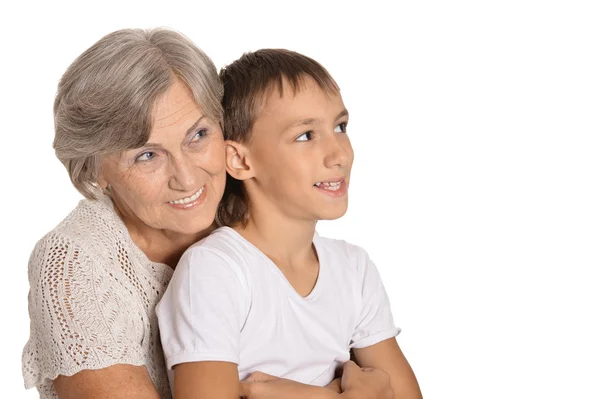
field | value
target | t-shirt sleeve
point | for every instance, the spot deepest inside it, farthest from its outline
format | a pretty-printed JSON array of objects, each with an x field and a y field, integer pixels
[
  {"x": 201, "y": 314},
  {"x": 375, "y": 322},
  {"x": 78, "y": 319}
]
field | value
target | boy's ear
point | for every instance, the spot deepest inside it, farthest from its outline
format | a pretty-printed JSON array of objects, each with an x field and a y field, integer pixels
[{"x": 238, "y": 163}]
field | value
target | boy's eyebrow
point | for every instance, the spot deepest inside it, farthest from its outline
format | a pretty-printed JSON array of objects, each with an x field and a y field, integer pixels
[
  {"x": 310, "y": 121},
  {"x": 343, "y": 113}
]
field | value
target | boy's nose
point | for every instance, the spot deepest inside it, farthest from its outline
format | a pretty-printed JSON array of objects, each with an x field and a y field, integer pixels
[{"x": 339, "y": 153}]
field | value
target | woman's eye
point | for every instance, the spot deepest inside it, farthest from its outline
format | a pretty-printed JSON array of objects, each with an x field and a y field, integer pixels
[
  {"x": 146, "y": 156},
  {"x": 341, "y": 128},
  {"x": 199, "y": 134},
  {"x": 305, "y": 136}
]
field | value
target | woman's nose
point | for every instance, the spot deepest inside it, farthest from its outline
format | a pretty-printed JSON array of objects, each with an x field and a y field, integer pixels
[{"x": 184, "y": 175}]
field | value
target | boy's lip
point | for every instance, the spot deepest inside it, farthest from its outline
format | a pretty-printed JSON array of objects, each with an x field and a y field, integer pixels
[
  {"x": 332, "y": 180},
  {"x": 335, "y": 188}
]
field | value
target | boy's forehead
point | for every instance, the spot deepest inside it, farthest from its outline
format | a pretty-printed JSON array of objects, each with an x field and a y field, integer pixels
[
  {"x": 278, "y": 96},
  {"x": 283, "y": 87},
  {"x": 286, "y": 106}
]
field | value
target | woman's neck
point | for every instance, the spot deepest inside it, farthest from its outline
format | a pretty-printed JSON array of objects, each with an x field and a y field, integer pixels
[
  {"x": 161, "y": 246},
  {"x": 165, "y": 246}
]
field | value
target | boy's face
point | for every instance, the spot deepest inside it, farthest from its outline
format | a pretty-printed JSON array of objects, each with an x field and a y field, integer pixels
[{"x": 301, "y": 154}]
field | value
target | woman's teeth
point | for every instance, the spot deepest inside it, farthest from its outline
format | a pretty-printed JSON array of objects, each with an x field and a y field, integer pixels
[
  {"x": 331, "y": 186},
  {"x": 188, "y": 199}
]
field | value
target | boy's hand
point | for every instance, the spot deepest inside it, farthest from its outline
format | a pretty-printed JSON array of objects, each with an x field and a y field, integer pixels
[
  {"x": 264, "y": 386},
  {"x": 258, "y": 376},
  {"x": 356, "y": 383},
  {"x": 335, "y": 385},
  {"x": 366, "y": 383},
  {"x": 251, "y": 386}
]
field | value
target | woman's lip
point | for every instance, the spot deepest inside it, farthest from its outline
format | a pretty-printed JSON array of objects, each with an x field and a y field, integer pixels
[
  {"x": 200, "y": 190},
  {"x": 190, "y": 205}
]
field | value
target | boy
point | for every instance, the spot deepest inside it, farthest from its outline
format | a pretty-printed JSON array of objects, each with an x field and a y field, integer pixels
[{"x": 267, "y": 293}]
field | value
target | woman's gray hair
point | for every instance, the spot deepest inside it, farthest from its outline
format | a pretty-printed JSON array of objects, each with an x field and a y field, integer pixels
[{"x": 105, "y": 98}]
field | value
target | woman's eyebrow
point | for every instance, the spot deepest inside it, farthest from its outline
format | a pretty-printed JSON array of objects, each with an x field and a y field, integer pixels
[
  {"x": 195, "y": 125},
  {"x": 187, "y": 132}
]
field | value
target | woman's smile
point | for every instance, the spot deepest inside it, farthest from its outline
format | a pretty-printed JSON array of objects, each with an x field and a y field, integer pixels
[{"x": 190, "y": 202}]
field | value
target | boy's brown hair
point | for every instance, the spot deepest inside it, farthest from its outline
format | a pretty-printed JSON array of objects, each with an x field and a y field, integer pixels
[{"x": 247, "y": 83}]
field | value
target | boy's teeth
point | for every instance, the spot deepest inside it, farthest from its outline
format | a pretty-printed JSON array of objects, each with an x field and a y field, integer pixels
[
  {"x": 188, "y": 199},
  {"x": 331, "y": 186}
]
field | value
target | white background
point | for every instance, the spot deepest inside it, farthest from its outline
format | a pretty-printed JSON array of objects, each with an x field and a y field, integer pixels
[{"x": 476, "y": 185}]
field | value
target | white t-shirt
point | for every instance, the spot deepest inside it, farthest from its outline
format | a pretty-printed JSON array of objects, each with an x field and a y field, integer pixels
[{"x": 227, "y": 301}]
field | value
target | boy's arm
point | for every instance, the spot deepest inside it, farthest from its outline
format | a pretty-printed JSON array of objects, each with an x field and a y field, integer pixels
[
  {"x": 200, "y": 317},
  {"x": 288, "y": 389},
  {"x": 355, "y": 383},
  {"x": 219, "y": 380},
  {"x": 373, "y": 341},
  {"x": 214, "y": 380},
  {"x": 387, "y": 356}
]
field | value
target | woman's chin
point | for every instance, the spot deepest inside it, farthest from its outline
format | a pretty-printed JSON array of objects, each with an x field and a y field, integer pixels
[{"x": 193, "y": 225}]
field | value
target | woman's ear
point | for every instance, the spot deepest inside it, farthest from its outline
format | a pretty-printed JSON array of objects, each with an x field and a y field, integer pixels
[
  {"x": 100, "y": 180},
  {"x": 238, "y": 163}
]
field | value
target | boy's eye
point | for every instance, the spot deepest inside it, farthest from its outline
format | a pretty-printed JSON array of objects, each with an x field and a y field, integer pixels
[
  {"x": 305, "y": 136},
  {"x": 145, "y": 156},
  {"x": 341, "y": 128}
]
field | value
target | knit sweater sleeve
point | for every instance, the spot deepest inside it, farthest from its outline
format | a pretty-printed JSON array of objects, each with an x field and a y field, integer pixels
[{"x": 80, "y": 311}]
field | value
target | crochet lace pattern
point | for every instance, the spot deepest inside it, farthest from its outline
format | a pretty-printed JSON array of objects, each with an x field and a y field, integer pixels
[{"x": 91, "y": 301}]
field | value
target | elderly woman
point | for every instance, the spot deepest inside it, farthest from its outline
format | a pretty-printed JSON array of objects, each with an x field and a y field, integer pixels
[{"x": 137, "y": 126}]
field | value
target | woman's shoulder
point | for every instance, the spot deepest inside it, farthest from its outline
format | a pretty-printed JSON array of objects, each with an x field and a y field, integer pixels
[
  {"x": 89, "y": 218},
  {"x": 89, "y": 308},
  {"x": 91, "y": 234},
  {"x": 93, "y": 225}
]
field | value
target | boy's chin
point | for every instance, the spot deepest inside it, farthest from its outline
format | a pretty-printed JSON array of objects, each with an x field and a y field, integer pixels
[{"x": 332, "y": 214}]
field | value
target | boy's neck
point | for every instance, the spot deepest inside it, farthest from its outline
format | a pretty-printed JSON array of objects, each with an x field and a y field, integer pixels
[{"x": 287, "y": 242}]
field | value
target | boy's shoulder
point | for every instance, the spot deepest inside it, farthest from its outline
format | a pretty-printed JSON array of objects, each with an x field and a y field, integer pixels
[{"x": 345, "y": 251}]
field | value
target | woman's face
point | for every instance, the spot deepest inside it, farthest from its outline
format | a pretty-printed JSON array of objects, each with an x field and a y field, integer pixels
[{"x": 176, "y": 180}]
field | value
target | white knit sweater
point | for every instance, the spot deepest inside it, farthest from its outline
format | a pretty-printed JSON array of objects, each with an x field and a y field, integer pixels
[{"x": 91, "y": 301}]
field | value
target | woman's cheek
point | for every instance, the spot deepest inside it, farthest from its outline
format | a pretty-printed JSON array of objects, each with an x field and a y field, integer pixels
[{"x": 217, "y": 159}]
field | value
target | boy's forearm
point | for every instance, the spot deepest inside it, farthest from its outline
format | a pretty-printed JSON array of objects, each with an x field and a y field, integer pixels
[
  {"x": 303, "y": 391},
  {"x": 206, "y": 379},
  {"x": 388, "y": 356},
  {"x": 314, "y": 392},
  {"x": 294, "y": 390}
]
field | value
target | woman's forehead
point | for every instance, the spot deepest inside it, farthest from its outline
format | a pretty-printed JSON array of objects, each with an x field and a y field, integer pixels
[{"x": 173, "y": 105}]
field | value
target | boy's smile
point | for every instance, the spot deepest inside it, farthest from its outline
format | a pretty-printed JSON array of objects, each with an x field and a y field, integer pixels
[
  {"x": 300, "y": 152},
  {"x": 334, "y": 188}
]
